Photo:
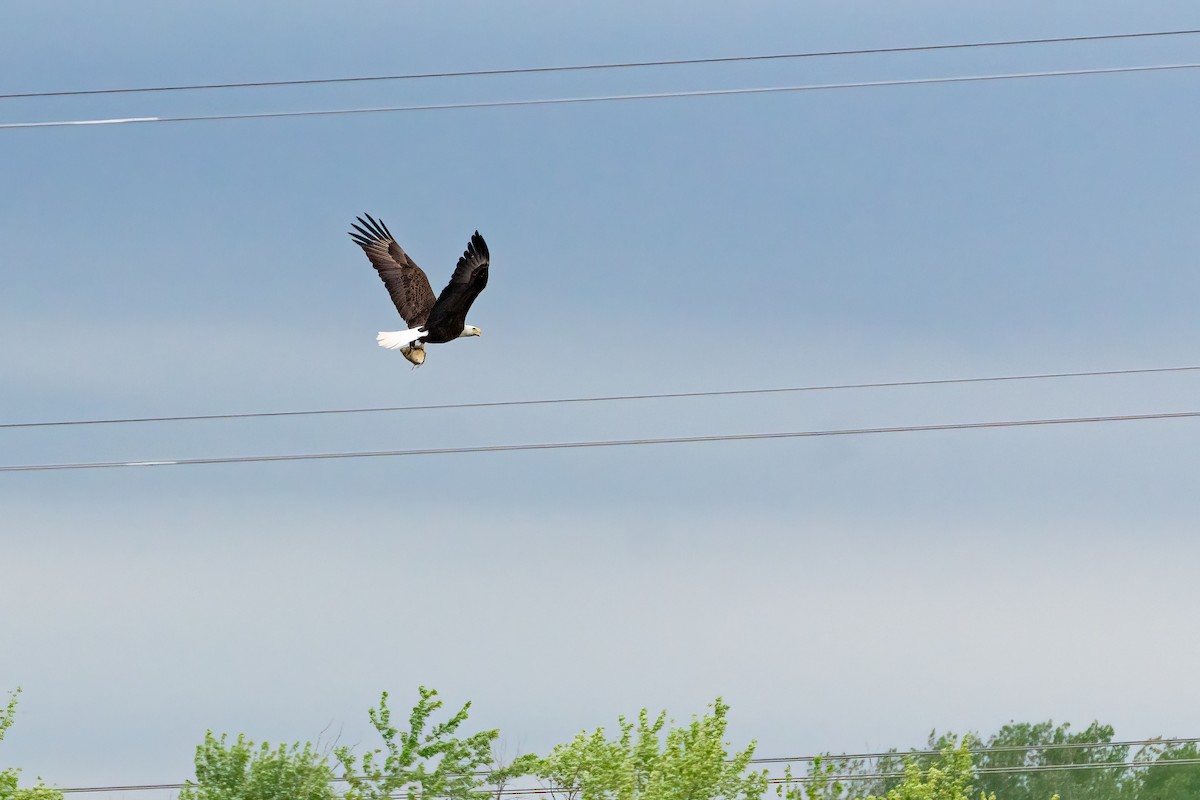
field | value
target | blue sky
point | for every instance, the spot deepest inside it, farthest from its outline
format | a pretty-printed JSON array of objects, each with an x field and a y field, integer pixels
[{"x": 839, "y": 593}]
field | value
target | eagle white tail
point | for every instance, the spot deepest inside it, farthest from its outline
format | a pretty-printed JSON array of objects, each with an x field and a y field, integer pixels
[{"x": 394, "y": 340}]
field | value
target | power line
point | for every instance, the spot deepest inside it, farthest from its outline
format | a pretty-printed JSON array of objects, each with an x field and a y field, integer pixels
[
  {"x": 555, "y": 101},
  {"x": 1099, "y": 765},
  {"x": 1016, "y": 748},
  {"x": 600, "y": 398},
  {"x": 607, "y": 66},
  {"x": 852, "y": 777},
  {"x": 542, "y": 791},
  {"x": 796, "y": 759},
  {"x": 808, "y": 779},
  {"x": 510, "y": 448}
]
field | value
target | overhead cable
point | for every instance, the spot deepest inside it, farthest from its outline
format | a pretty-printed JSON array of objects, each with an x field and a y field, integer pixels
[
  {"x": 510, "y": 448},
  {"x": 542, "y": 791},
  {"x": 556, "y": 101},
  {"x": 850, "y": 776},
  {"x": 987, "y": 750},
  {"x": 600, "y": 398},
  {"x": 606, "y": 66}
]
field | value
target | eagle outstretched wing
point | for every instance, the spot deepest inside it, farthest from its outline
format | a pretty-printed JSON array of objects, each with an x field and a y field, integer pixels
[
  {"x": 405, "y": 281},
  {"x": 449, "y": 313}
]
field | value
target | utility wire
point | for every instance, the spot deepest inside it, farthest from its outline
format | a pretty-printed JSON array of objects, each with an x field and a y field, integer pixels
[
  {"x": 1016, "y": 748},
  {"x": 509, "y": 448},
  {"x": 802, "y": 759},
  {"x": 1074, "y": 767},
  {"x": 556, "y": 101},
  {"x": 883, "y": 775},
  {"x": 808, "y": 779},
  {"x": 588, "y": 67},
  {"x": 851, "y": 777},
  {"x": 601, "y": 398}
]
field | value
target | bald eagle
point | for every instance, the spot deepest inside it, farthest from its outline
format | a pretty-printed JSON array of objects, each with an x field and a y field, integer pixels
[{"x": 430, "y": 319}]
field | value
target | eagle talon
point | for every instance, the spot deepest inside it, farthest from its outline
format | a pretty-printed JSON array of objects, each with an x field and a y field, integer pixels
[{"x": 415, "y": 354}]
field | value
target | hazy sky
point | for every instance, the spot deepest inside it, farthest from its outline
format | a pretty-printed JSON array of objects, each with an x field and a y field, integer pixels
[{"x": 839, "y": 593}]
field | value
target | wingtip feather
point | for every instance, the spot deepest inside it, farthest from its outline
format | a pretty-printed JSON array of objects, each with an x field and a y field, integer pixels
[
  {"x": 386, "y": 230},
  {"x": 479, "y": 245},
  {"x": 378, "y": 228}
]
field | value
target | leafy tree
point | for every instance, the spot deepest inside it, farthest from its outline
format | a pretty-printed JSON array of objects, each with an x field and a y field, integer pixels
[
  {"x": 946, "y": 776},
  {"x": 827, "y": 780},
  {"x": 433, "y": 763},
  {"x": 8, "y": 713},
  {"x": 1076, "y": 783},
  {"x": 644, "y": 764},
  {"x": 9, "y": 790},
  {"x": 9, "y": 777},
  {"x": 1017, "y": 746},
  {"x": 1167, "y": 781},
  {"x": 242, "y": 771},
  {"x": 950, "y": 778},
  {"x": 416, "y": 762}
]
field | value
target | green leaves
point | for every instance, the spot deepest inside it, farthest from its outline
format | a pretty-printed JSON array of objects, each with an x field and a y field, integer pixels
[
  {"x": 1170, "y": 782},
  {"x": 689, "y": 763},
  {"x": 823, "y": 781},
  {"x": 9, "y": 790},
  {"x": 1075, "y": 784},
  {"x": 950, "y": 778},
  {"x": 419, "y": 762},
  {"x": 653, "y": 759},
  {"x": 243, "y": 771},
  {"x": 8, "y": 714}
]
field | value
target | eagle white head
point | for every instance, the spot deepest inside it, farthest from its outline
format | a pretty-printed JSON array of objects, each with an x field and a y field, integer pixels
[{"x": 471, "y": 330}]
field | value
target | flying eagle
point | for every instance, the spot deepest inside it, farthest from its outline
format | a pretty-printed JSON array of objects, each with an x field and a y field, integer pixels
[{"x": 431, "y": 319}]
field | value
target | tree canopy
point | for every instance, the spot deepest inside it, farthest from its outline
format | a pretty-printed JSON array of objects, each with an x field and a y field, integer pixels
[
  {"x": 641, "y": 762},
  {"x": 652, "y": 758}
]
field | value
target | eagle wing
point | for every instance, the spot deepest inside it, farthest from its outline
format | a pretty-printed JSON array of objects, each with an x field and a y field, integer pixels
[
  {"x": 469, "y": 278},
  {"x": 405, "y": 281}
]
